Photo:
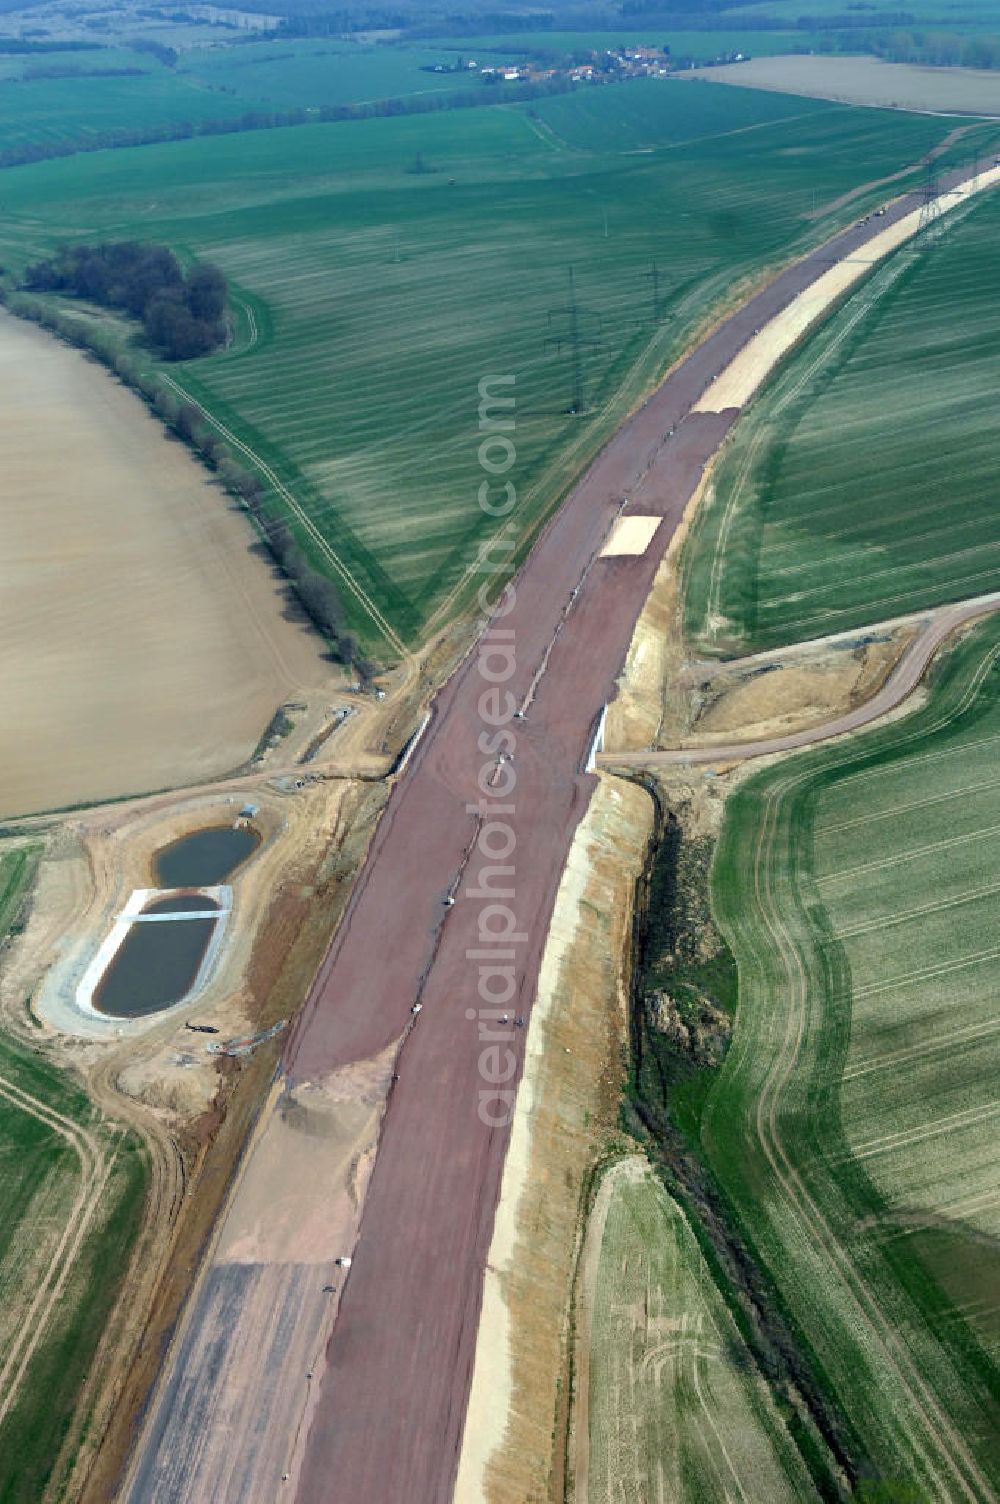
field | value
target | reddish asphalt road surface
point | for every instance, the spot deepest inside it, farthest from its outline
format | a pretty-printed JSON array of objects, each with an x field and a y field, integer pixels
[
  {"x": 392, "y": 1405},
  {"x": 388, "y": 1420}
]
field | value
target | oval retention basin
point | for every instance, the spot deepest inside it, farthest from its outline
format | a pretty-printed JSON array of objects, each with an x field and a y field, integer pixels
[
  {"x": 155, "y": 965},
  {"x": 204, "y": 858}
]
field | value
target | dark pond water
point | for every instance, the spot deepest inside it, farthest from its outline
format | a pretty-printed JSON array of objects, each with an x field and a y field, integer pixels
[
  {"x": 158, "y": 961},
  {"x": 181, "y": 903},
  {"x": 204, "y": 858},
  {"x": 155, "y": 966}
]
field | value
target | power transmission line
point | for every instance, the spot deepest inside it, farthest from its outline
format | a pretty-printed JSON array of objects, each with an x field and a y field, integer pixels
[
  {"x": 930, "y": 207},
  {"x": 573, "y": 338},
  {"x": 653, "y": 276}
]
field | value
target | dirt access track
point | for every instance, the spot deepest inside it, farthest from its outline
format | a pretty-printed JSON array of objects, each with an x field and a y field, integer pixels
[
  {"x": 143, "y": 644},
  {"x": 902, "y": 680},
  {"x": 378, "y": 1412}
]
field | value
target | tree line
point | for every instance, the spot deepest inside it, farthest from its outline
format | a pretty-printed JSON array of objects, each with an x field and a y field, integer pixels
[
  {"x": 183, "y": 314},
  {"x": 940, "y": 50},
  {"x": 41, "y": 74},
  {"x": 20, "y": 46}
]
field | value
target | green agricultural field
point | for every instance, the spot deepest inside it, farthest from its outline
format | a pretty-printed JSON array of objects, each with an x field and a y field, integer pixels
[
  {"x": 71, "y": 111},
  {"x": 863, "y": 483},
  {"x": 72, "y": 1188},
  {"x": 853, "y": 1126},
  {"x": 676, "y": 1408},
  {"x": 17, "y": 869},
  {"x": 96, "y": 96},
  {"x": 595, "y": 40},
  {"x": 100, "y": 60},
  {"x": 287, "y": 75},
  {"x": 382, "y": 268}
]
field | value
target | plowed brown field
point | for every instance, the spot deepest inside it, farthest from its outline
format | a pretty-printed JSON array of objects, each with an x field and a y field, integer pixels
[{"x": 143, "y": 643}]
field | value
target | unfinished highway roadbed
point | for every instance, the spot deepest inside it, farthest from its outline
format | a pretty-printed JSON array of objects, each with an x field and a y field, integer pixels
[{"x": 382, "y": 1147}]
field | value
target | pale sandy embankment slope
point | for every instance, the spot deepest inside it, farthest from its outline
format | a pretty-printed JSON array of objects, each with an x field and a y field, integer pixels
[{"x": 142, "y": 643}]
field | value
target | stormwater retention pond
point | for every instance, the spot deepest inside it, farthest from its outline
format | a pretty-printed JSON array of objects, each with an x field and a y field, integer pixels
[
  {"x": 205, "y": 857},
  {"x": 163, "y": 944},
  {"x": 157, "y": 964}
]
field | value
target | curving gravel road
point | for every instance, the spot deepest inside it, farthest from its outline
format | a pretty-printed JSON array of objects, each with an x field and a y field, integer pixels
[{"x": 904, "y": 678}]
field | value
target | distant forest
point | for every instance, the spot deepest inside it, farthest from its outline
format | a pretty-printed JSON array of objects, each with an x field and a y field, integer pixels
[
  {"x": 183, "y": 315},
  {"x": 860, "y": 27},
  {"x": 444, "y": 17}
]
